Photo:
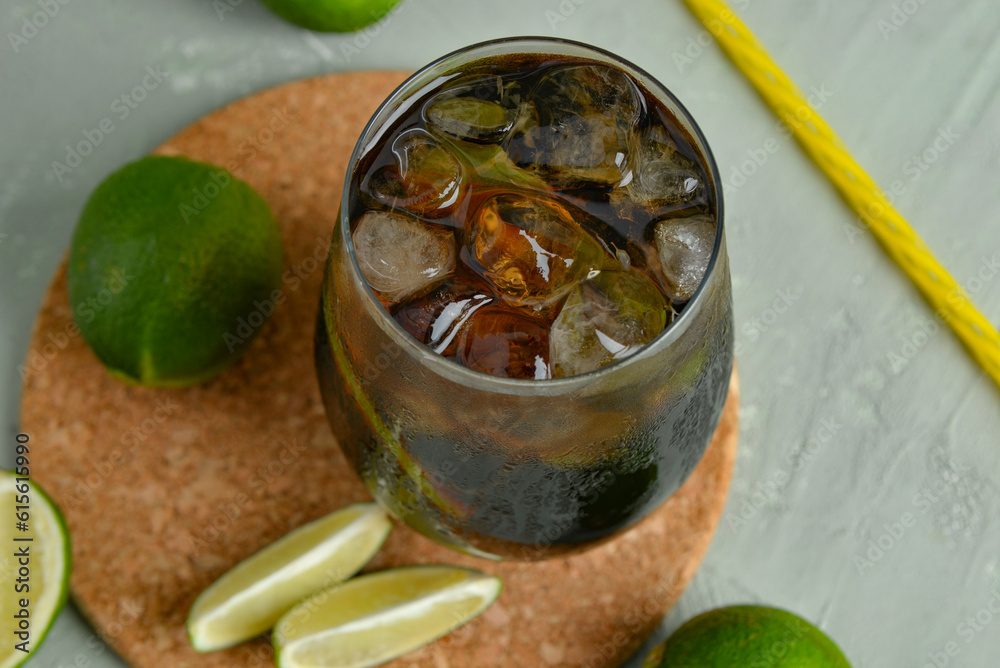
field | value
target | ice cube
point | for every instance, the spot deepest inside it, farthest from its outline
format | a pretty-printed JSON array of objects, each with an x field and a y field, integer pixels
[
  {"x": 604, "y": 319},
  {"x": 480, "y": 109},
  {"x": 589, "y": 90},
  {"x": 471, "y": 118},
  {"x": 401, "y": 256},
  {"x": 436, "y": 318},
  {"x": 684, "y": 246},
  {"x": 532, "y": 248},
  {"x": 658, "y": 174},
  {"x": 572, "y": 153},
  {"x": 502, "y": 342},
  {"x": 579, "y": 132},
  {"x": 425, "y": 180}
]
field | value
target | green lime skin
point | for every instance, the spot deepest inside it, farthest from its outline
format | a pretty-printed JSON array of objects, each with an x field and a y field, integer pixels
[
  {"x": 751, "y": 637},
  {"x": 67, "y": 556},
  {"x": 331, "y": 15},
  {"x": 173, "y": 268}
]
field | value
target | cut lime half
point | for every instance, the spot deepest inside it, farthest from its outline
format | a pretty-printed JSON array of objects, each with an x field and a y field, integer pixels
[
  {"x": 380, "y": 616},
  {"x": 248, "y": 599},
  {"x": 34, "y": 564}
]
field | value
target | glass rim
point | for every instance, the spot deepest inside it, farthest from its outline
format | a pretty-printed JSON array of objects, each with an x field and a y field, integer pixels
[{"x": 456, "y": 371}]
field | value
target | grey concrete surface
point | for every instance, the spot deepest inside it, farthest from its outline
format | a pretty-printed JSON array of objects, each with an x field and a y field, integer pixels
[{"x": 865, "y": 493}]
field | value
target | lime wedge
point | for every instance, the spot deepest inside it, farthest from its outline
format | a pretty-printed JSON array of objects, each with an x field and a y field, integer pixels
[
  {"x": 35, "y": 571},
  {"x": 380, "y": 616},
  {"x": 254, "y": 594}
]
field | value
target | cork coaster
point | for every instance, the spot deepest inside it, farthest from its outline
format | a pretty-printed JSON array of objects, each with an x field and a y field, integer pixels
[{"x": 164, "y": 490}]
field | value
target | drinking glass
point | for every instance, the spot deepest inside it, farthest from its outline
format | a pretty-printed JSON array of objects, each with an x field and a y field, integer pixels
[{"x": 510, "y": 468}]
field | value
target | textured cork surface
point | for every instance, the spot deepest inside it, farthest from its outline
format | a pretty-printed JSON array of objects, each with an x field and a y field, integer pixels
[{"x": 164, "y": 490}]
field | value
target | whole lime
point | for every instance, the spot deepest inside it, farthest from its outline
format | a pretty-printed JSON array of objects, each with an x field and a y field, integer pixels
[
  {"x": 331, "y": 15},
  {"x": 747, "y": 635},
  {"x": 173, "y": 268}
]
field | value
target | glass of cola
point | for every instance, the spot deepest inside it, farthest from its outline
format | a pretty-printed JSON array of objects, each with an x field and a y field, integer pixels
[{"x": 525, "y": 336}]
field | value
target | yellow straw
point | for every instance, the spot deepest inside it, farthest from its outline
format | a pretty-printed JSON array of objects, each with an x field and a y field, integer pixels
[{"x": 897, "y": 238}]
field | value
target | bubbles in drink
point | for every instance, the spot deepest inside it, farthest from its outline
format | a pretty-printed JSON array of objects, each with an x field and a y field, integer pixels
[
  {"x": 502, "y": 342},
  {"x": 425, "y": 180},
  {"x": 604, "y": 319},
  {"x": 531, "y": 248},
  {"x": 534, "y": 218},
  {"x": 685, "y": 248},
  {"x": 400, "y": 256},
  {"x": 578, "y": 133}
]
